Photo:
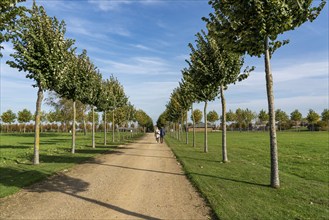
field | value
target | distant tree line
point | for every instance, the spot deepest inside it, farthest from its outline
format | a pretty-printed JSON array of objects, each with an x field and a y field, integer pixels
[{"x": 247, "y": 120}]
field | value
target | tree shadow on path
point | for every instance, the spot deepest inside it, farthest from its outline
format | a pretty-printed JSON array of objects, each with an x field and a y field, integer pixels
[{"x": 73, "y": 186}]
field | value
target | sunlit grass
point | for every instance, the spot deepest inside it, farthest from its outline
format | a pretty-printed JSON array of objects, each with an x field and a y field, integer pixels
[{"x": 240, "y": 188}]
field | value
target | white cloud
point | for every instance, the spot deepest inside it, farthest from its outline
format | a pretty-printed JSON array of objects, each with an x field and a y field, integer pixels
[
  {"x": 138, "y": 65},
  {"x": 109, "y": 5}
]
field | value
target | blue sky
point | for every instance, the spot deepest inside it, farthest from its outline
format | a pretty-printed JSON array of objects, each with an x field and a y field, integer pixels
[{"x": 144, "y": 44}]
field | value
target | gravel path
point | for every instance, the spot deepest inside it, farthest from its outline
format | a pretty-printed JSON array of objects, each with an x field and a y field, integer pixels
[{"x": 137, "y": 181}]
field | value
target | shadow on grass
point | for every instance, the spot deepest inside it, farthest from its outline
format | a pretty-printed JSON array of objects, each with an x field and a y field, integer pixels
[
  {"x": 19, "y": 177},
  {"x": 228, "y": 179},
  {"x": 15, "y": 147}
]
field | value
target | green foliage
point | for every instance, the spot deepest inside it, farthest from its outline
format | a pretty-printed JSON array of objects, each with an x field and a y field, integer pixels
[
  {"x": 230, "y": 116},
  {"x": 325, "y": 115},
  {"x": 282, "y": 118},
  {"x": 296, "y": 116},
  {"x": 8, "y": 117},
  {"x": 263, "y": 116},
  {"x": 24, "y": 116},
  {"x": 40, "y": 48},
  {"x": 240, "y": 189},
  {"x": 212, "y": 116},
  {"x": 244, "y": 25},
  {"x": 312, "y": 116},
  {"x": 161, "y": 122},
  {"x": 90, "y": 117},
  {"x": 144, "y": 120},
  {"x": 9, "y": 13},
  {"x": 197, "y": 115}
]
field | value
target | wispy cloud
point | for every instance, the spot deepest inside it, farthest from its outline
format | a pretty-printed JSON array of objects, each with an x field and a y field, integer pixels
[
  {"x": 109, "y": 5},
  {"x": 99, "y": 31},
  {"x": 142, "y": 47},
  {"x": 138, "y": 65}
]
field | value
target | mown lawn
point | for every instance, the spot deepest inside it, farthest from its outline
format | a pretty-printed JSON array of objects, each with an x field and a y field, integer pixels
[
  {"x": 16, "y": 155},
  {"x": 240, "y": 188}
]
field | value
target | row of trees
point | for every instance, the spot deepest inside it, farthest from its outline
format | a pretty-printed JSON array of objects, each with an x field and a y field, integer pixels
[
  {"x": 244, "y": 118},
  {"x": 42, "y": 51},
  {"x": 60, "y": 120},
  {"x": 234, "y": 29}
]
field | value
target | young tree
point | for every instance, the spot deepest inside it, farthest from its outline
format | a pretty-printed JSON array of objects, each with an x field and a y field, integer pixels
[
  {"x": 190, "y": 90},
  {"x": 296, "y": 116},
  {"x": 325, "y": 116},
  {"x": 8, "y": 117},
  {"x": 230, "y": 117},
  {"x": 39, "y": 50},
  {"x": 24, "y": 117},
  {"x": 263, "y": 117},
  {"x": 253, "y": 27},
  {"x": 212, "y": 116},
  {"x": 248, "y": 116},
  {"x": 282, "y": 117},
  {"x": 197, "y": 115},
  {"x": 312, "y": 117},
  {"x": 201, "y": 66},
  {"x": 117, "y": 98}
]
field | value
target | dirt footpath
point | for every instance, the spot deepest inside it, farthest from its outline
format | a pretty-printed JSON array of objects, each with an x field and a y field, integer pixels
[{"x": 137, "y": 181}]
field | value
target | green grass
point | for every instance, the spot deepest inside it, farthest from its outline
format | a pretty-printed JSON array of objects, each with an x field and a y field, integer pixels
[
  {"x": 240, "y": 188},
  {"x": 16, "y": 155}
]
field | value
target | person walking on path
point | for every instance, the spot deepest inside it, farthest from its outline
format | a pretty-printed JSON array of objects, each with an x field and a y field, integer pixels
[
  {"x": 157, "y": 135},
  {"x": 162, "y": 134}
]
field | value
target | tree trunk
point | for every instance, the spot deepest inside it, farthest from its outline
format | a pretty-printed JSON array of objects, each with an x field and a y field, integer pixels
[
  {"x": 104, "y": 128},
  {"x": 275, "y": 182},
  {"x": 84, "y": 125},
  {"x": 113, "y": 126},
  {"x": 186, "y": 128},
  {"x": 193, "y": 126},
  {"x": 37, "y": 127},
  {"x": 224, "y": 151},
  {"x": 73, "y": 128},
  {"x": 93, "y": 127},
  {"x": 205, "y": 128}
]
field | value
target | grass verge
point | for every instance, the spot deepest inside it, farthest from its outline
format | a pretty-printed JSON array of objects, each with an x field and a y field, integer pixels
[{"x": 240, "y": 188}]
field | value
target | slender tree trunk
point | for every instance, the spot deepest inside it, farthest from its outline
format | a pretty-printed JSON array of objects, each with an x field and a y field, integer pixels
[
  {"x": 193, "y": 126},
  {"x": 37, "y": 127},
  {"x": 84, "y": 125},
  {"x": 24, "y": 129},
  {"x": 224, "y": 151},
  {"x": 113, "y": 126},
  {"x": 186, "y": 128},
  {"x": 73, "y": 128},
  {"x": 104, "y": 128},
  {"x": 93, "y": 127},
  {"x": 205, "y": 128},
  {"x": 275, "y": 182}
]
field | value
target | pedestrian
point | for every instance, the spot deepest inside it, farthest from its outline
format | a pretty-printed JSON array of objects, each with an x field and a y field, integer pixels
[
  {"x": 162, "y": 134},
  {"x": 157, "y": 134}
]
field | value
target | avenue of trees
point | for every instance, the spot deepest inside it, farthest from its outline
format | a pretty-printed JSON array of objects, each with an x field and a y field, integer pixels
[
  {"x": 236, "y": 29},
  {"x": 50, "y": 59}
]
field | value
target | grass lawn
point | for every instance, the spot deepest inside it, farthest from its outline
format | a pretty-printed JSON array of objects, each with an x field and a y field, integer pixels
[
  {"x": 240, "y": 188},
  {"x": 16, "y": 155}
]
